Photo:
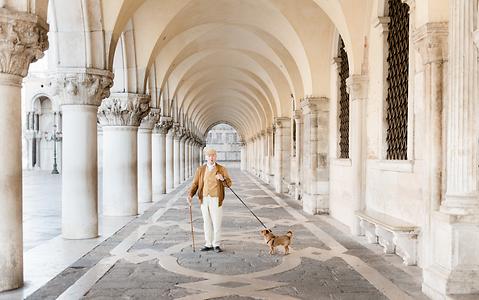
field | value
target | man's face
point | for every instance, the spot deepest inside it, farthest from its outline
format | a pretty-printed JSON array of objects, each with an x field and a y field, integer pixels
[{"x": 211, "y": 158}]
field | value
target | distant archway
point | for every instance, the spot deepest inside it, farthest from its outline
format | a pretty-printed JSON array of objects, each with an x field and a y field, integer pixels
[{"x": 227, "y": 142}]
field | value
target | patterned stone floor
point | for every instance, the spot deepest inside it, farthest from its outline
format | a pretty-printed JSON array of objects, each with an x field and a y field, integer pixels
[{"x": 152, "y": 257}]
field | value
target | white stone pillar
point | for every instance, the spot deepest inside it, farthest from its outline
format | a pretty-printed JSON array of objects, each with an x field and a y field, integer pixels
[
  {"x": 253, "y": 156},
  {"x": 431, "y": 43},
  {"x": 159, "y": 155},
  {"x": 145, "y": 187},
  {"x": 190, "y": 162},
  {"x": 192, "y": 157},
  {"x": 182, "y": 141},
  {"x": 455, "y": 263},
  {"x": 357, "y": 86},
  {"x": 120, "y": 115},
  {"x": 11, "y": 235},
  {"x": 24, "y": 38},
  {"x": 187, "y": 163},
  {"x": 299, "y": 154},
  {"x": 170, "y": 159},
  {"x": 81, "y": 95},
  {"x": 270, "y": 155},
  {"x": 176, "y": 156},
  {"x": 17, "y": 52},
  {"x": 316, "y": 159},
  {"x": 282, "y": 154},
  {"x": 263, "y": 155},
  {"x": 244, "y": 162},
  {"x": 256, "y": 156}
]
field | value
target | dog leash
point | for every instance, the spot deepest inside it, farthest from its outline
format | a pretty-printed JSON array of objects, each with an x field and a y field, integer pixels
[{"x": 245, "y": 205}]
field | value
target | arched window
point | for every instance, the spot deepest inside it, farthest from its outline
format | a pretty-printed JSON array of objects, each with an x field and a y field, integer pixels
[
  {"x": 343, "y": 102},
  {"x": 397, "y": 80}
]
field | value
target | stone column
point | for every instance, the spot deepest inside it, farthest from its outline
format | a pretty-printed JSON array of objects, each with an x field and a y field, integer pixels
[
  {"x": 189, "y": 164},
  {"x": 357, "y": 86},
  {"x": 263, "y": 155},
  {"x": 282, "y": 154},
  {"x": 120, "y": 115},
  {"x": 455, "y": 263},
  {"x": 170, "y": 159},
  {"x": 270, "y": 158},
  {"x": 81, "y": 95},
  {"x": 145, "y": 186},
  {"x": 182, "y": 141},
  {"x": 23, "y": 40},
  {"x": 257, "y": 151},
  {"x": 159, "y": 155},
  {"x": 299, "y": 153},
  {"x": 243, "y": 163},
  {"x": 251, "y": 155},
  {"x": 176, "y": 156},
  {"x": 316, "y": 159},
  {"x": 431, "y": 43}
]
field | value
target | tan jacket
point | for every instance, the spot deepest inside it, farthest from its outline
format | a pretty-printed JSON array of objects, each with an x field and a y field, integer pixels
[{"x": 198, "y": 183}]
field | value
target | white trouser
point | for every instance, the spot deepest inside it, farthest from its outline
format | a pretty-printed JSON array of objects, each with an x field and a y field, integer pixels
[{"x": 212, "y": 216}]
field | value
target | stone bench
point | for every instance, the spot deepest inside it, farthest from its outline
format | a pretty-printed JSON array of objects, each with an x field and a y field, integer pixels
[{"x": 395, "y": 235}]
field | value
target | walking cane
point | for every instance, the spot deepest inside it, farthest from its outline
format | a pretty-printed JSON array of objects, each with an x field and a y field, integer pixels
[{"x": 191, "y": 224}]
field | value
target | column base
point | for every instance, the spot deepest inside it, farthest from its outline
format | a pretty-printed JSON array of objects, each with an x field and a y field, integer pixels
[
  {"x": 281, "y": 187},
  {"x": 291, "y": 188},
  {"x": 455, "y": 265},
  {"x": 315, "y": 204},
  {"x": 270, "y": 178},
  {"x": 440, "y": 284},
  {"x": 466, "y": 204},
  {"x": 297, "y": 192}
]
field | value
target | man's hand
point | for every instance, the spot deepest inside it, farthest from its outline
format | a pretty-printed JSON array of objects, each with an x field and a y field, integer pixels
[
  {"x": 189, "y": 200},
  {"x": 220, "y": 177}
]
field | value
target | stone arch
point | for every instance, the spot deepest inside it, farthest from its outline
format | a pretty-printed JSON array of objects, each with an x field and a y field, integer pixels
[{"x": 223, "y": 122}]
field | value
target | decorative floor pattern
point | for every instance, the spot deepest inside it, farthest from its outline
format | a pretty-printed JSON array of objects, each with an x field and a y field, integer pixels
[{"x": 152, "y": 257}]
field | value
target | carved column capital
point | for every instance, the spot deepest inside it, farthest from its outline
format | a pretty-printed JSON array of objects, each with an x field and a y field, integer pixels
[
  {"x": 150, "y": 120},
  {"x": 297, "y": 115},
  {"x": 179, "y": 132},
  {"x": 23, "y": 39},
  {"x": 357, "y": 87},
  {"x": 123, "y": 109},
  {"x": 164, "y": 125},
  {"x": 83, "y": 87},
  {"x": 311, "y": 104},
  {"x": 431, "y": 41},
  {"x": 281, "y": 122},
  {"x": 382, "y": 23},
  {"x": 174, "y": 128}
]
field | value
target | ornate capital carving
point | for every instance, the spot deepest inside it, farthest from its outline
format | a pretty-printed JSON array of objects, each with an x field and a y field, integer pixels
[
  {"x": 297, "y": 115},
  {"x": 179, "y": 132},
  {"x": 87, "y": 87},
  {"x": 174, "y": 128},
  {"x": 431, "y": 41},
  {"x": 357, "y": 86},
  {"x": 310, "y": 104},
  {"x": 281, "y": 122},
  {"x": 123, "y": 109},
  {"x": 23, "y": 39},
  {"x": 149, "y": 121},
  {"x": 382, "y": 23},
  {"x": 164, "y": 125}
]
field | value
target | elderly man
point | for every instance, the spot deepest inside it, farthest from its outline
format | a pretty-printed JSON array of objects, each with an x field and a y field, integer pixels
[{"x": 210, "y": 180}]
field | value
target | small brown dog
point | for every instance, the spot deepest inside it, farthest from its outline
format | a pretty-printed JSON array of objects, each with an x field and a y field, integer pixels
[{"x": 272, "y": 240}]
